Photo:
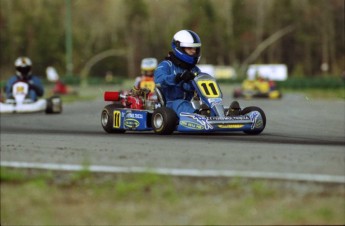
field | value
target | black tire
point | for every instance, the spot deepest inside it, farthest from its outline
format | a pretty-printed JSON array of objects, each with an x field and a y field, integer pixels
[
  {"x": 280, "y": 95},
  {"x": 164, "y": 121},
  {"x": 107, "y": 119},
  {"x": 117, "y": 104},
  {"x": 263, "y": 116},
  {"x": 54, "y": 105}
]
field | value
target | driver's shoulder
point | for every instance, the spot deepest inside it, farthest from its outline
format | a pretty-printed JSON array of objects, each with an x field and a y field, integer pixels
[
  {"x": 12, "y": 79},
  {"x": 165, "y": 63}
]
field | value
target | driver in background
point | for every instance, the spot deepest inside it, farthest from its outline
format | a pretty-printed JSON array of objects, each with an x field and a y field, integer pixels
[
  {"x": 145, "y": 82},
  {"x": 23, "y": 67},
  {"x": 173, "y": 75}
]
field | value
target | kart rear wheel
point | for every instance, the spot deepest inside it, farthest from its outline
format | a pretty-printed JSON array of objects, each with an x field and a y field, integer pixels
[
  {"x": 107, "y": 119},
  {"x": 164, "y": 121},
  {"x": 263, "y": 116}
]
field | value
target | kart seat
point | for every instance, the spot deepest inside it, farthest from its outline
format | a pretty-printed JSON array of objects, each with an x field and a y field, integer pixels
[{"x": 160, "y": 96}]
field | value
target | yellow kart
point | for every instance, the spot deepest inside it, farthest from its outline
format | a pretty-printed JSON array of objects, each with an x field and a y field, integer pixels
[{"x": 259, "y": 88}]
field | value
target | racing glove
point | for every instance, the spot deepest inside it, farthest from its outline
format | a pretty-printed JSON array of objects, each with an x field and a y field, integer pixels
[{"x": 185, "y": 76}]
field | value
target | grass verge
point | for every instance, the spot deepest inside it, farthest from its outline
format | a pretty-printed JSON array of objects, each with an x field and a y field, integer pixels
[
  {"x": 34, "y": 197},
  {"x": 321, "y": 93}
]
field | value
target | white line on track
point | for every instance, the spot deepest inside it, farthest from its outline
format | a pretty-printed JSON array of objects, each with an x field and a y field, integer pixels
[{"x": 180, "y": 172}]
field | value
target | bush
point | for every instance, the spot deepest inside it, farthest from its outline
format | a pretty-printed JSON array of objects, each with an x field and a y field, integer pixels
[{"x": 316, "y": 83}]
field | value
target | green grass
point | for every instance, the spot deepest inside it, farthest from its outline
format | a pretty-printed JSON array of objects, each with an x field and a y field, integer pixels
[
  {"x": 34, "y": 197},
  {"x": 321, "y": 93}
]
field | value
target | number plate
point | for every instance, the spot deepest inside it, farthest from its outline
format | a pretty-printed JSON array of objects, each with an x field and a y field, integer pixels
[{"x": 209, "y": 89}]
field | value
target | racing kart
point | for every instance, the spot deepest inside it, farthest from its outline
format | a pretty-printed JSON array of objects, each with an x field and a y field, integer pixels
[
  {"x": 131, "y": 113},
  {"x": 22, "y": 104},
  {"x": 257, "y": 89}
]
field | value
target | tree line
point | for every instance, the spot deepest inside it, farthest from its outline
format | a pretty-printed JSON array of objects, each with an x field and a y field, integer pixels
[{"x": 306, "y": 35}]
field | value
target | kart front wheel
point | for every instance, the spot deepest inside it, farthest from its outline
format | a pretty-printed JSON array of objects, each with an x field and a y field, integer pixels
[
  {"x": 259, "y": 121},
  {"x": 107, "y": 119},
  {"x": 164, "y": 121},
  {"x": 54, "y": 105}
]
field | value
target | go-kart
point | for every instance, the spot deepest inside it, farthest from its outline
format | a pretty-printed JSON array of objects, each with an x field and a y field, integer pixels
[
  {"x": 131, "y": 113},
  {"x": 257, "y": 89},
  {"x": 22, "y": 104}
]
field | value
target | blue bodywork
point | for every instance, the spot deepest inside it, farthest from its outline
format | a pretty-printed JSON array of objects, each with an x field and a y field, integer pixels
[
  {"x": 140, "y": 120},
  {"x": 129, "y": 119}
]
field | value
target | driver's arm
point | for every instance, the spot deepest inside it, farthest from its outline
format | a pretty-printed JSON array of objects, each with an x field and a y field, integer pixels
[
  {"x": 8, "y": 87},
  {"x": 36, "y": 85},
  {"x": 163, "y": 75}
]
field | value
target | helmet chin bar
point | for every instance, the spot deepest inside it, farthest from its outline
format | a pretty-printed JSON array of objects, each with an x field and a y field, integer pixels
[
  {"x": 182, "y": 55},
  {"x": 196, "y": 54}
]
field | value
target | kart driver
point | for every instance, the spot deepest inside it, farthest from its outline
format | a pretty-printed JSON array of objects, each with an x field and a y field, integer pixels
[
  {"x": 173, "y": 75},
  {"x": 145, "y": 82},
  {"x": 23, "y": 73}
]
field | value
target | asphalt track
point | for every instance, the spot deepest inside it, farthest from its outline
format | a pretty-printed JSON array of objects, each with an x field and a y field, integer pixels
[{"x": 304, "y": 139}]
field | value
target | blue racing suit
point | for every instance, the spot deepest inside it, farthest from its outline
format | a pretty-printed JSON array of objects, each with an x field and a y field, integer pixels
[
  {"x": 35, "y": 86},
  {"x": 177, "y": 95}
]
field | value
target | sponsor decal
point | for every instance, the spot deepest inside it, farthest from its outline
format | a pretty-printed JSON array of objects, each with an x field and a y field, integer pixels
[
  {"x": 215, "y": 101},
  {"x": 202, "y": 120},
  {"x": 240, "y": 117},
  {"x": 131, "y": 123},
  {"x": 230, "y": 126},
  {"x": 259, "y": 124},
  {"x": 20, "y": 89},
  {"x": 133, "y": 115},
  {"x": 254, "y": 117},
  {"x": 192, "y": 125}
]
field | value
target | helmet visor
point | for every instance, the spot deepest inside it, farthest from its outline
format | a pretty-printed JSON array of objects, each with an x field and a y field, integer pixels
[
  {"x": 191, "y": 45},
  {"x": 148, "y": 73},
  {"x": 24, "y": 70}
]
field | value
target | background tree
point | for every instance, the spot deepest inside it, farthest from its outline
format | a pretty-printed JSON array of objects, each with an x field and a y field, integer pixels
[
  {"x": 136, "y": 13},
  {"x": 232, "y": 31}
]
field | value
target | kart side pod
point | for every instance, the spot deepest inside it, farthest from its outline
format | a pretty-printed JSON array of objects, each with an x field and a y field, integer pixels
[{"x": 111, "y": 96}]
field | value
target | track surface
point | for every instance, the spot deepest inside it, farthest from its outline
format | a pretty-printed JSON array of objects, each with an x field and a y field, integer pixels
[{"x": 302, "y": 136}]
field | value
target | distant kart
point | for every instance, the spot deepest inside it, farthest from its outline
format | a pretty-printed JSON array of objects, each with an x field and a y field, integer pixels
[
  {"x": 21, "y": 103},
  {"x": 257, "y": 89},
  {"x": 133, "y": 113}
]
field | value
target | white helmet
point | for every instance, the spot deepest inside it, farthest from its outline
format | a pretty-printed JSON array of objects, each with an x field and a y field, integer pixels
[
  {"x": 186, "y": 38},
  {"x": 23, "y": 67},
  {"x": 148, "y": 65}
]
